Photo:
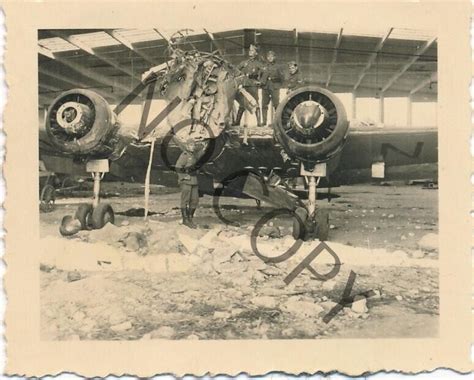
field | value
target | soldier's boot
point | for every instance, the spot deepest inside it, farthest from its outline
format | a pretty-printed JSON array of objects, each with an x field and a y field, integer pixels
[
  {"x": 259, "y": 119},
  {"x": 184, "y": 214},
  {"x": 264, "y": 115},
  {"x": 240, "y": 113},
  {"x": 191, "y": 216}
]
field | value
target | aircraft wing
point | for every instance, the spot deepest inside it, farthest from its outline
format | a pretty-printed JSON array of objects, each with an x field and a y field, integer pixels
[
  {"x": 400, "y": 150},
  {"x": 406, "y": 154},
  {"x": 393, "y": 146}
]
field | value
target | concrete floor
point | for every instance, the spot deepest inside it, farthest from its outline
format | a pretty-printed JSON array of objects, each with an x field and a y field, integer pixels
[{"x": 210, "y": 292}]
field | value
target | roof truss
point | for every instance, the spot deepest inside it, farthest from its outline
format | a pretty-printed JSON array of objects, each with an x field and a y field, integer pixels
[
  {"x": 334, "y": 57},
  {"x": 372, "y": 57},
  {"x": 426, "y": 82},
  {"x": 410, "y": 62},
  {"x": 130, "y": 45},
  {"x": 94, "y": 52}
]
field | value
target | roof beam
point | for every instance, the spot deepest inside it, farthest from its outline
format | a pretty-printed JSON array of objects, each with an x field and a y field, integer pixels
[
  {"x": 372, "y": 57},
  {"x": 128, "y": 44},
  {"x": 46, "y": 52},
  {"x": 46, "y": 80},
  {"x": 49, "y": 88},
  {"x": 167, "y": 39},
  {"x": 214, "y": 42},
  {"x": 57, "y": 76},
  {"x": 76, "y": 43},
  {"x": 92, "y": 74},
  {"x": 70, "y": 84},
  {"x": 420, "y": 51},
  {"x": 425, "y": 82},
  {"x": 163, "y": 36},
  {"x": 45, "y": 99},
  {"x": 71, "y": 81},
  {"x": 94, "y": 52},
  {"x": 334, "y": 56}
]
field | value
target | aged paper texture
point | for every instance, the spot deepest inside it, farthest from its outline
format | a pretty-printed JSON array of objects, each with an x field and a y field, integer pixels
[{"x": 129, "y": 273}]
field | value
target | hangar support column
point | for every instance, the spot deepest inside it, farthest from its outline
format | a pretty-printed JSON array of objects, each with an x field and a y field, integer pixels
[
  {"x": 354, "y": 105},
  {"x": 381, "y": 108},
  {"x": 409, "y": 111}
]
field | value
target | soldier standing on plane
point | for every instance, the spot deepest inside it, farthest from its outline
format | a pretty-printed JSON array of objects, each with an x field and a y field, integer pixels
[
  {"x": 294, "y": 78},
  {"x": 272, "y": 79},
  {"x": 252, "y": 69}
]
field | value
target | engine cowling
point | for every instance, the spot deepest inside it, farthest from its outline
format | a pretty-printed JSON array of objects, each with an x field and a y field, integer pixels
[
  {"x": 80, "y": 123},
  {"x": 311, "y": 124}
]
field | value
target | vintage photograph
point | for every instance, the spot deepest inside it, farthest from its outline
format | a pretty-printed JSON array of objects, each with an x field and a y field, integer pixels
[{"x": 240, "y": 183}]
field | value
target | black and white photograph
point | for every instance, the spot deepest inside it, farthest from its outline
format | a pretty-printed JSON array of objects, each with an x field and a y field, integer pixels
[
  {"x": 237, "y": 189},
  {"x": 223, "y": 184}
]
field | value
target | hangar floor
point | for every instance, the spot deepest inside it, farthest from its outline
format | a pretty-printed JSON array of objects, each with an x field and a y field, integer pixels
[{"x": 161, "y": 280}]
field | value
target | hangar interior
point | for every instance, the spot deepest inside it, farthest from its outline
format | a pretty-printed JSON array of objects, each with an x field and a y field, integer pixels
[
  {"x": 382, "y": 77},
  {"x": 148, "y": 276}
]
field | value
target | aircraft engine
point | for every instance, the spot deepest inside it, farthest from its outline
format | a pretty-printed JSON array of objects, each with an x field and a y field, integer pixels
[
  {"x": 81, "y": 123},
  {"x": 311, "y": 125}
]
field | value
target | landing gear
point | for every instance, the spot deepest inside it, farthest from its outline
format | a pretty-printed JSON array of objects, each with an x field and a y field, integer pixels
[
  {"x": 300, "y": 223},
  {"x": 310, "y": 222},
  {"x": 101, "y": 215},
  {"x": 84, "y": 214},
  {"x": 90, "y": 216},
  {"x": 309, "y": 228},
  {"x": 321, "y": 220},
  {"x": 47, "y": 198}
]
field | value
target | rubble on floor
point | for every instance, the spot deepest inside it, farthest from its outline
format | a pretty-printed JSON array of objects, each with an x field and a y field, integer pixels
[
  {"x": 222, "y": 249},
  {"x": 429, "y": 242},
  {"x": 249, "y": 289},
  {"x": 161, "y": 280}
]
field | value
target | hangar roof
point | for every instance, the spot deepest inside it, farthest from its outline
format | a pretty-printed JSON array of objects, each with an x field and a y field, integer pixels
[{"x": 392, "y": 63}]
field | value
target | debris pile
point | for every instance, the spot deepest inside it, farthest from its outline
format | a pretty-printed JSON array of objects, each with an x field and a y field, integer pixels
[
  {"x": 161, "y": 280},
  {"x": 429, "y": 242}
]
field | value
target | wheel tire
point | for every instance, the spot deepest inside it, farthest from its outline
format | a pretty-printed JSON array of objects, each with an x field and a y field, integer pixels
[
  {"x": 101, "y": 215},
  {"x": 299, "y": 223},
  {"x": 84, "y": 214},
  {"x": 66, "y": 182},
  {"x": 69, "y": 226},
  {"x": 47, "y": 198},
  {"x": 322, "y": 224}
]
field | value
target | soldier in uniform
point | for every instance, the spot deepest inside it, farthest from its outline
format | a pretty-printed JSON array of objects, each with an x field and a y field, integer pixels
[
  {"x": 272, "y": 78},
  {"x": 187, "y": 180},
  {"x": 294, "y": 78},
  {"x": 252, "y": 69}
]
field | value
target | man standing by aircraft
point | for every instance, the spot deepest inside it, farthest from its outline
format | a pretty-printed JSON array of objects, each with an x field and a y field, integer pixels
[
  {"x": 187, "y": 180},
  {"x": 252, "y": 68},
  {"x": 272, "y": 78},
  {"x": 294, "y": 78}
]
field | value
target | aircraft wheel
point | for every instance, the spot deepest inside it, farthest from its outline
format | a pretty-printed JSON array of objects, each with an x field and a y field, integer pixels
[
  {"x": 66, "y": 182},
  {"x": 47, "y": 198},
  {"x": 69, "y": 226},
  {"x": 101, "y": 215},
  {"x": 299, "y": 223},
  {"x": 322, "y": 224},
  {"x": 84, "y": 215}
]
